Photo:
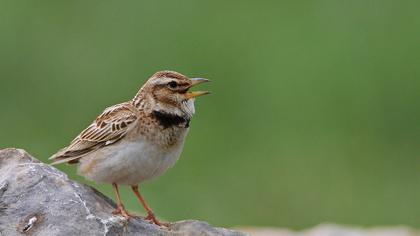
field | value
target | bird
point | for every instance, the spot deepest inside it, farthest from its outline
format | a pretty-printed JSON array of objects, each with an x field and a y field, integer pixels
[{"x": 137, "y": 140}]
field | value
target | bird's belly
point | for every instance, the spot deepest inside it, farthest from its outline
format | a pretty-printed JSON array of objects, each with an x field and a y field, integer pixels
[{"x": 129, "y": 163}]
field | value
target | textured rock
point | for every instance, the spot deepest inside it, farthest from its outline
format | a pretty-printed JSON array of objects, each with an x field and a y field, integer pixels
[
  {"x": 37, "y": 199},
  {"x": 335, "y": 230}
]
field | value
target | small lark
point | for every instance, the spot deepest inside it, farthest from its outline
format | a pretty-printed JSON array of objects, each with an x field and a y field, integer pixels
[{"x": 137, "y": 140}]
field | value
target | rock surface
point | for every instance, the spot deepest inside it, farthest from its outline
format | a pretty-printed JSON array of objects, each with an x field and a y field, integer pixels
[
  {"x": 335, "y": 230},
  {"x": 37, "y": 199}
]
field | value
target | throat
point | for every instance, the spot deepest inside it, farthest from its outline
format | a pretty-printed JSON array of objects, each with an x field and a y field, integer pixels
[{"x": 169, "y": 120}]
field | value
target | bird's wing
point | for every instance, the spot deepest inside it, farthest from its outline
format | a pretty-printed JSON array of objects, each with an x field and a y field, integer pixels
[{"x": 107, "y": 129}]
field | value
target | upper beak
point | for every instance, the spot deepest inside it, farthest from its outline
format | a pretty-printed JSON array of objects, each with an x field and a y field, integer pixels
[{"x": 196, "y": 81}]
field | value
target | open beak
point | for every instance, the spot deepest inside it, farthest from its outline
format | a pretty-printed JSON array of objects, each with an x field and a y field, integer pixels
[{"x": 196, "y": 81}]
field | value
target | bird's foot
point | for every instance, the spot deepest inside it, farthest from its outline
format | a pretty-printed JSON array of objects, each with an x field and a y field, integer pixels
[
  {"x": 121, "y": 211},
  {"x": 151, "y": 217}
]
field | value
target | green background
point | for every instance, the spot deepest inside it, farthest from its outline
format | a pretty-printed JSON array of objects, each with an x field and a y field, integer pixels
[{"x": 314, "y": 115}]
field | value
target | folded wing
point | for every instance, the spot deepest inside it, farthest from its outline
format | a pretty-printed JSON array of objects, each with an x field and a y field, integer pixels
[{"x": 107, "y": 129}]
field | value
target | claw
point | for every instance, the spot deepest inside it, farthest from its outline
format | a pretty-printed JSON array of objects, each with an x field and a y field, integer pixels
[
  {"x": 151, "y": 217},
  {"x": 121, "y": 211}
]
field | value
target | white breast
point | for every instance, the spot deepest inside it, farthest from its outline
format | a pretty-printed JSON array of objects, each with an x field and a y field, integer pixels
[{"x": 130, "y": 162}]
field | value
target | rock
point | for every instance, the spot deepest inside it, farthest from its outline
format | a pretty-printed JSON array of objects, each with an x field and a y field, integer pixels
[
  {"x": 335, "y": 230},
  {"x": 37, "y": 199}
]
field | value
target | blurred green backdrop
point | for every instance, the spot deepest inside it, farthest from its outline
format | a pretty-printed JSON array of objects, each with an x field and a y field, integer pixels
[{"x": 314, "y": 115}]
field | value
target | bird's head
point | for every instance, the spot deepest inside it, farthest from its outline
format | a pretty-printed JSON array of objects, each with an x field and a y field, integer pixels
[{"x": 169, "y": 91}]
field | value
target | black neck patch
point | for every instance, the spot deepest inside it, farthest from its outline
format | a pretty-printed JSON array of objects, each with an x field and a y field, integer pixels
[{"x": 168, "y": 120}]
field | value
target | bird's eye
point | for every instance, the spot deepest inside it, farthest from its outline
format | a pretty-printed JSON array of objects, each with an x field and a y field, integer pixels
[{"x": 172, "y": 84}]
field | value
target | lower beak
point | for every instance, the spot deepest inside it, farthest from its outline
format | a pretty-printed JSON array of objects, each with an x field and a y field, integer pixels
[
  {"x": 196, "y": 81},
  {"x": 196, "y": 94}
]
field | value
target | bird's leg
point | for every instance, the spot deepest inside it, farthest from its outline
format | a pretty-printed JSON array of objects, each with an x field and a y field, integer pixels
[
  {"x": 121, "y": 209},
  {"x": 150, "y": 215}
]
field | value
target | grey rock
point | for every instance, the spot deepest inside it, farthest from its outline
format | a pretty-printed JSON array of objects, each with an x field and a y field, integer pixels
[
  {"x": 37, "y": 199},
  {"x": 336, "y": 230}
]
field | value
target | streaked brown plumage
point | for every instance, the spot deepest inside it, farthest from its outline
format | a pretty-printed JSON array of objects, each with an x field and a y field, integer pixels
[{"x": 136, "y": 140}]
